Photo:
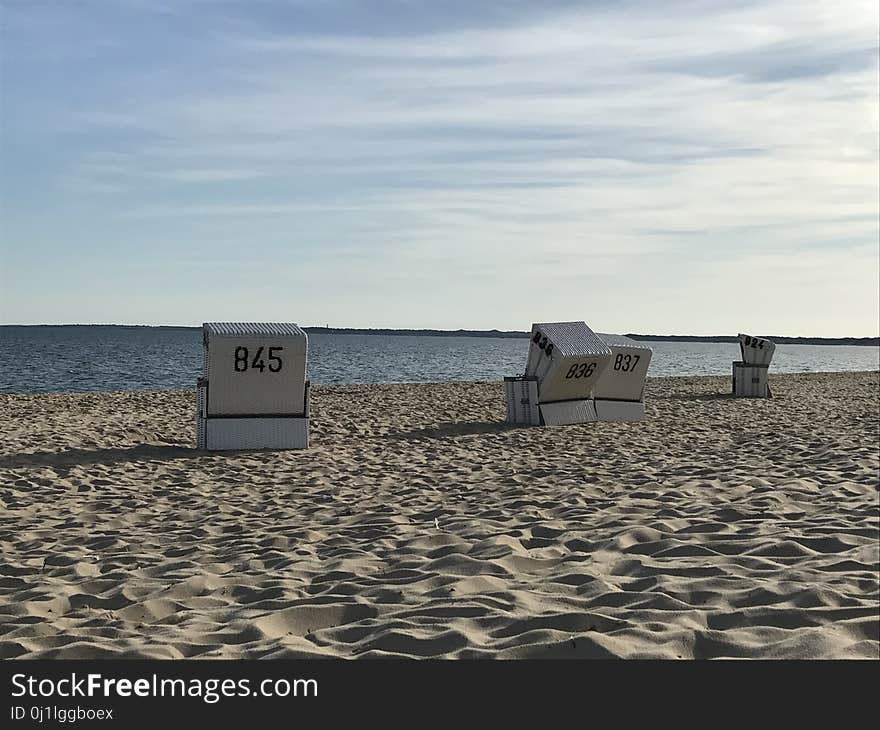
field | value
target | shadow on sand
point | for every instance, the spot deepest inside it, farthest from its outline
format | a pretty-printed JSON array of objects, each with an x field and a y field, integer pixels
[
  {"x": 704, "y": 397},
  {"x": 78, "y": 457},
  {"x": 452, "y": 429},
  {"x": 167, "y": 453}
]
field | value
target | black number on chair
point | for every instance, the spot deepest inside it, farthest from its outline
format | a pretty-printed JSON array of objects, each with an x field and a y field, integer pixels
[
  {"x": 581, "y": 370},
  {"x": 273, "y": 356},
  {"x": 626, "y": 363},
  {"x": 241, "y": 359},
  {"x": 543, "y": 343}
]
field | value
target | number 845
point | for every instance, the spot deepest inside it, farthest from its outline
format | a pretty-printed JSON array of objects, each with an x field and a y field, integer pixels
[{"x": 242, "y": 361}]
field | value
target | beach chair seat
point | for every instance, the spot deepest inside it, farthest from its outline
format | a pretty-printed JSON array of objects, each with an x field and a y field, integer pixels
[{"x": 750, "y": 380}]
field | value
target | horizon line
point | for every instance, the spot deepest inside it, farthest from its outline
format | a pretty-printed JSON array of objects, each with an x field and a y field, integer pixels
[{"x": 870, "y": 339}]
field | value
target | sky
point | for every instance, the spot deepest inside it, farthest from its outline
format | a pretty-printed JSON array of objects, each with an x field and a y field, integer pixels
[{"x": 695, "y": 167}]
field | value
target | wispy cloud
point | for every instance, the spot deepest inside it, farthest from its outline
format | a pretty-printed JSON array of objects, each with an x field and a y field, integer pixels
[{"x": 620, "y": 141}]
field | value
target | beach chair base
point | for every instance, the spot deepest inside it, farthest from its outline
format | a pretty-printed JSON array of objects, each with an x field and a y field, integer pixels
[
  {"x": 523, "y": 407},
  {"x": 619, "y": 410},
  {"x": 224, "y": 434},
  {"x": 564, "y": 413},
  {"x": 750, "y": 381}
]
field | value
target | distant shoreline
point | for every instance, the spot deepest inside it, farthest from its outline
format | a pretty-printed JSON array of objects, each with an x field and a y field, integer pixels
[{"x": 505, "y": 334}]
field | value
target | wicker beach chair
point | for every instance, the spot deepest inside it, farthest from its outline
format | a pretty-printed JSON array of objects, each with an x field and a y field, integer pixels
[{"x": 253, "y": 393}]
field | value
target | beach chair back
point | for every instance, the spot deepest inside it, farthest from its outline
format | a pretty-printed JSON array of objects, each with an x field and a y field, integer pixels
[
  {"x": 756, "y": 350},
  {"x": 620, "y": 393},
  {"x": 255, "y": 368},
  {"x": 624, "y": 378},
  {"x": 567, "y": 358}
]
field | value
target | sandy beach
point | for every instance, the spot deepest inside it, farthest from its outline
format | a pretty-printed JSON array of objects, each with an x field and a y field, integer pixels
[{"x": 418, "y": 524}]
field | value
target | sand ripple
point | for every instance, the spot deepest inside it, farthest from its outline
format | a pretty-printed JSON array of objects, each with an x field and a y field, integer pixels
[{"x": 420, "y": 525}]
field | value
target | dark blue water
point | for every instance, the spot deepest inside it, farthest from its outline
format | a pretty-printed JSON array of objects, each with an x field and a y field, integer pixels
[{"x": 38, "y": 359}]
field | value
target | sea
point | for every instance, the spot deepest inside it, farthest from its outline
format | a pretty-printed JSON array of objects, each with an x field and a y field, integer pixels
[{"x": 106, "y": 358}]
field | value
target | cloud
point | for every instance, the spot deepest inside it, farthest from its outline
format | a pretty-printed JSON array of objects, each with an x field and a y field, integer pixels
[
  {"x": 615, "y": 140},
  {"x": 779, "y": 62}
]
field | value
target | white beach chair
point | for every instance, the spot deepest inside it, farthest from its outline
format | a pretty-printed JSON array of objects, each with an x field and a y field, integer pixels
[
  {"x": 620, "y": 391},
  {"x": 253, "y": 393},
  {"x": 565, "y": 361},
  {"x": 750, "y": 373}
]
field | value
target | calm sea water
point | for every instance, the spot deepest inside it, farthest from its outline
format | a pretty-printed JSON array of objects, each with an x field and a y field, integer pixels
[{"x": 39, "y": 359}]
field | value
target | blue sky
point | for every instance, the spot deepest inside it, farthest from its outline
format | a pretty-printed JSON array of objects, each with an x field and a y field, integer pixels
[{"x": 680, "y": 167}]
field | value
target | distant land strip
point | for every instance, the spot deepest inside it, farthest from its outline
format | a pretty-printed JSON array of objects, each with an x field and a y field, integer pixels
[
  {"x": 875, "y": 341},
  {"x": 862, "y": 341}
]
